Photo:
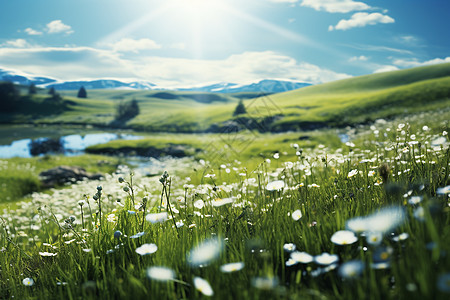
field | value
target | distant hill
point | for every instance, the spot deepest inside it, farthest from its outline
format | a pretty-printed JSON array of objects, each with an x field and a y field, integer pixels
[
  {"x": 340, "y": 103},
  {"x": 262, "y": 86},
  {"x": 365, "y": 98}
]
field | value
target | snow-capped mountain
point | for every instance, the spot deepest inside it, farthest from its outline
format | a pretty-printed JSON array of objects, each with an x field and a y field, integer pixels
[
  {"x": 100, "y": 84},
  {"x": 263, "y": 86},
  {"x": 24, "y": 79}
]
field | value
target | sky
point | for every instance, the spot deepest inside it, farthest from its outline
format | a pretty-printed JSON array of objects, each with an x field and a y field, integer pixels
[{"x": 176, "y": 43}]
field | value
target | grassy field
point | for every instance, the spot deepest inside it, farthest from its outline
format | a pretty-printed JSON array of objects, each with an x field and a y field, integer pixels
[
  {"x": 365, "y": 220},
  {"x": 356, "y": 212},
  {"x": 19, "y": 176},
  {"x": 356, "y": 100}
]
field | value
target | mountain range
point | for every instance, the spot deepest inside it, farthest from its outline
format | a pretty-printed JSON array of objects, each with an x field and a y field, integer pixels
[{"x": 264, "y": 85}]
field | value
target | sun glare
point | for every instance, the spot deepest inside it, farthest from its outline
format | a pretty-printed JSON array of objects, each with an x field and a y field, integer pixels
[{"x": 199, "y": 11}]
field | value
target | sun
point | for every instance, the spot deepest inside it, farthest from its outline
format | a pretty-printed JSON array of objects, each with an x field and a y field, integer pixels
[{"x": 199, "y": 11}]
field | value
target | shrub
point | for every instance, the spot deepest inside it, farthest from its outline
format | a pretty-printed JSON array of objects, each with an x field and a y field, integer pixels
[{"x": 127, "y": 110}]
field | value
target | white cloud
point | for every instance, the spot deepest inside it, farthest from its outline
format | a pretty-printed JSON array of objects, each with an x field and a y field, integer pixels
[
  {"x": 386, "y": 68},
  {"x": 358, "y": 58},
  {"x": 380, "y": 49},
  {"x": 416, "y": 63},
  {"x": 84, "y": 63},
  {"x": 335, "y": 6},
  {"x": 31, "y": 31},
  {"x": 408, "y": 38},
  {"x": 57, "y": 26},
  {"x": 130, "y": 45},
  {"x": 19, "y": 43},
  {"x": 362, "y": 19}
]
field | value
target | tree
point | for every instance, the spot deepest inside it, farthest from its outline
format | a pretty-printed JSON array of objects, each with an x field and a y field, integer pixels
[
  {"x": 82, "y": 92},
  {"x": 9, "y": 96},
  {"x": 32, "y": 89},
  {"x": 127, "y": 110},
  {"x": 52, "y": 91},
  {"x": 240, "y": 109}
]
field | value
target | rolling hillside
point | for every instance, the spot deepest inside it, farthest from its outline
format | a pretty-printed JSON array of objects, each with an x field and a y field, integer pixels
[{"x": 340, "y": 103}]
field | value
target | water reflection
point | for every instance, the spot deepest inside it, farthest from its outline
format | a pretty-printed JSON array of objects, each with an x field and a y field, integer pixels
[{"x": 73, "y": 144}]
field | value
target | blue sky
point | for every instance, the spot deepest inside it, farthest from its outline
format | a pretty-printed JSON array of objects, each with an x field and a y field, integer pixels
[{"x": 192, "y": 42}]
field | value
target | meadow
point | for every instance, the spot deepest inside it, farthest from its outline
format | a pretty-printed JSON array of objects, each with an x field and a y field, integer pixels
[
  {"x": 366, "y": 220},
  {"x": 357, "y": 210}
]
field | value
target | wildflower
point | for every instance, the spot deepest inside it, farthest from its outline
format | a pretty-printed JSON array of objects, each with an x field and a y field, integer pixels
[
  {"x": 199, "y": 204},
  {"x": 203, "y": 286},
  {"x": 28, "y": 281},
  {"x": 111, "y": 218},
  {"x": 415, "y": 200},
  {"x": 351, "y": 269},
  {"x": 374, "y": 238},
  {"x": 275, "y": 185},
  {"x": 289, "y": 247},
  {"x": 443, "y": 282},
  {"x": 137, "y": 235},
  {"x": 444, "y": 190},
  {"x": 302, "y": 257},
  {"x": 47, "y": 254},
  {"x": 232, "y": 267},
  {"x": 291, "y": 262},
  {"x": 352, "y": 173},
  {"x": 343, "y": 237},
  {"x": 220, "y": 202},
  {"x": 81, "y": 202},
  {"x": 326, "y": 258},
  {"x": 160, "y": 273},
  {"x": 296, "y": 215},
  {"x": 383, "y": 221},
  {"x": 357, "y": 225},
  {"x": 121, "y": 180},
  {"x": 205, "y": 252},
  {"x": 382, "y": 257},
  {"x": 157, "y": 217},
  {"x": 264, "y": 283},
  {"x": 146, "y": 249},
  {"x": 117, "y": 234},
  {"x": 401, "y": 237}
]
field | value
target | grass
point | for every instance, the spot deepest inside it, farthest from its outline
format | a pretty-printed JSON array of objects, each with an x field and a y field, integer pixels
[
  {"x": 229, "y": 214},
  {"x": 19, "y": 176}
]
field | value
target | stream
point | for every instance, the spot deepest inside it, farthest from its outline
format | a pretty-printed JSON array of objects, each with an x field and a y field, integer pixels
[{"x": 73, "y": 144}]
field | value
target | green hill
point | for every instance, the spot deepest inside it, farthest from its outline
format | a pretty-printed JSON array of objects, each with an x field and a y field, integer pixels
[
  {"x": 365, "y": 98},
  {"x": 345, "y": 102}
]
